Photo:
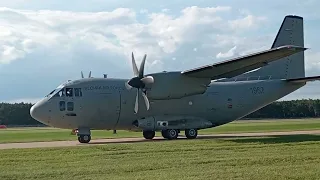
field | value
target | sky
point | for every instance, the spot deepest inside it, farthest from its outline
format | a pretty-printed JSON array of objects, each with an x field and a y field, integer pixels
[{"x": 45, "y": 43}]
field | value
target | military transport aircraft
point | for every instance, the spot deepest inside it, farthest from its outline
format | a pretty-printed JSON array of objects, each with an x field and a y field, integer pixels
[{"x": 190, "y": 100}]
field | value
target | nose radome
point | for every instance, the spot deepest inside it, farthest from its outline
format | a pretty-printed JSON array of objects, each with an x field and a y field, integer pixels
[
  {"x": 37, "y": 111},
  {"x": 34, "y": 111}
]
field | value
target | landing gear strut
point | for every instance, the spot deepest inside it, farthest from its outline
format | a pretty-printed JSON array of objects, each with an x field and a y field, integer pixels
[
  {"x": 149, "y": 134},
  {"x": 170, "y": 134},
  {"x": 84, "y": 135}
]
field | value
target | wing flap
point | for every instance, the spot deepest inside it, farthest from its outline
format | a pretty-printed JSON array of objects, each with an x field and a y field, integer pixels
[{"x": 240, "y": 65}]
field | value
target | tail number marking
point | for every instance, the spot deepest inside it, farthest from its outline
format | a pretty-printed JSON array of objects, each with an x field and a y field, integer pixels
[{"x": 257, "y": 90}]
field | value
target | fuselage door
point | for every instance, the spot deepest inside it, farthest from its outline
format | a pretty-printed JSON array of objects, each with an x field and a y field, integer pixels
[{"x": 111, "y": 108}]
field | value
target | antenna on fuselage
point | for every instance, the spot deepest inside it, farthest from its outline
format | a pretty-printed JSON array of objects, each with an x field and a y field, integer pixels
[{"x": 89, "y": 76}]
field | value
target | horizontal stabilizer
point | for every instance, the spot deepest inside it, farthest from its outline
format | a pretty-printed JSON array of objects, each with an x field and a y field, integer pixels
[{"x": 305, "y": 79}]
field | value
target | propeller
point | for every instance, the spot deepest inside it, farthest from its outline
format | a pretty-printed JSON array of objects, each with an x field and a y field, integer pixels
[
  {"x": 89, "y": 76},
  {"x": 139, "y": 81}
]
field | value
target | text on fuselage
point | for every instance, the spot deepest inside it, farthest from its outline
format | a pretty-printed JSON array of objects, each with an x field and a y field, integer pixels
[{"x": 92, "y": 88}]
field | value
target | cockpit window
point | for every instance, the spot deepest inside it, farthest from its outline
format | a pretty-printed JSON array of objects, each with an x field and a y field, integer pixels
[
  {"x": 62, "y": 105},
  {"x": 70, "y": 106},
  {"x": 77, "y": 92},
  {"x": 61, "y": 93},
  {"x": 51, "y": 93},
  {"x": 69, "y": 92}
]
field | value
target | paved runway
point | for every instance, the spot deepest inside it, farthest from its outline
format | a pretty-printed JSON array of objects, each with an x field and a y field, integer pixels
[{"x": 135, "y": 140}]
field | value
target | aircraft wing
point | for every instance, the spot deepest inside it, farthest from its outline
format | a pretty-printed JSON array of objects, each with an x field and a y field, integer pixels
[{"x": 240, "y": 65}]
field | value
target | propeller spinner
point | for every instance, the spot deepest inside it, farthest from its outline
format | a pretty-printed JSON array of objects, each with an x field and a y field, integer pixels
[{"x": 139, "y": 82}]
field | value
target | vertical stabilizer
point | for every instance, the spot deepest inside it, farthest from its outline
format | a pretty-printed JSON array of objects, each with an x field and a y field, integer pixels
[{"x": 290, "y": 33}]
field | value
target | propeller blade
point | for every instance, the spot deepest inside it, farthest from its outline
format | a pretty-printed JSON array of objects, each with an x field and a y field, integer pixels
[
  {"x": 82, "y": 74},
  {"x": 89, "y": 74},
  {"x": 136, "y": 103},
  {"x": 134, "y": 66},
  {"x": 141, "y": 70},
  {"x": 146, "y": 100},
  {"x": 147, "y": 80},
  {"x": 127, "y": 85}
]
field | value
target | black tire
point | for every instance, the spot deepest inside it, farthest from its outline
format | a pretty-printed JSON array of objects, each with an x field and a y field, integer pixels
[
  {"x": 172, "y": 134},
  {"x": 191, "y": 133},
  {"x": 164, "y": 134},
  {"x": 84, "y": 138},
  {"x": 149, "y": 134}
]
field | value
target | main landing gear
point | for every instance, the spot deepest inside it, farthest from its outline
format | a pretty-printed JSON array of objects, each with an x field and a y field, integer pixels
[
  {"x": 149, "y": 134},
  {"x": 191, "y": 133},
  {"x": 84, "y": 135},
  {"x": 171, "y": 133}
]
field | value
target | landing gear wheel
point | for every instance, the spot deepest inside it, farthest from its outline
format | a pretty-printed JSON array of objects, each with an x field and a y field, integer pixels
[
  {"x": 191, "y": 133},
  {"x": 171, "y": 134},
  {"x": 164, "y": 134},
  {"x": 84, "y": 138},
  {"x": 149, "y": 134}
]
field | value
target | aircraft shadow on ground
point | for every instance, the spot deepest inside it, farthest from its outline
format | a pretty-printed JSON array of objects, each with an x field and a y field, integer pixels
[{"x": 271, "y": 139}]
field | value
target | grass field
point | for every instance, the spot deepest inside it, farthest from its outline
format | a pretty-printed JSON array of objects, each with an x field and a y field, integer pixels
[
  {"x": 272, "y": 157},
  {"x": 53, "y": 134},
  {"x": 279, "y": 157}
]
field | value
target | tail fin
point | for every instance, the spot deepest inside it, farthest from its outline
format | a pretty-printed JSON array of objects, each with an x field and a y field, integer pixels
[{"x": 290, "y": 33}]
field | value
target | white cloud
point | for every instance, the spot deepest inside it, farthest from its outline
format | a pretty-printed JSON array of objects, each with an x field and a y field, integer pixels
[
  {"x": 312, "y": 60},
  {"x": 116, "y": 32},
  {"x": 59, "y": 44},
  {"x": 249, "y": 21},
  {"x": 144, "y": 11},
  {"x": 10, "y": 53},
  {"x": 165, "y": 10},
  {"x": 228, "y": 54}
]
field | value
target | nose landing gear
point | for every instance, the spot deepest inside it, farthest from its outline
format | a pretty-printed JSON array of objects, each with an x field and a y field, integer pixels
[
  {"x": 84, "y": 138},
  {"x": 84, "y": 135}
]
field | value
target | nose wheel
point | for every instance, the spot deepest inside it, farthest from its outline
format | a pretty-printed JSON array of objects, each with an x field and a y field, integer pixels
[
  {"x": 84, "y": 135},
  {"x": 84, "y": 138}
]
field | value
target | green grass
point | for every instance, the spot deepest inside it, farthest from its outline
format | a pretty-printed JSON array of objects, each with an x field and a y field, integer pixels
[
  {"x": 278, "y": 157},
  {"x": 53, "y": 134}
]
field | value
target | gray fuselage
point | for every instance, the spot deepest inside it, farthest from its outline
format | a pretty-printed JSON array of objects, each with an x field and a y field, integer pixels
[{"x": 103, "y": 103}]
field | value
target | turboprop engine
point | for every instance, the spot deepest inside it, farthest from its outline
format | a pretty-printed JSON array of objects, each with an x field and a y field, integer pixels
[
  {"x": 163, "y": 86},
  {"x": 174, "y": 85},
  {"x": 155, "y": 123}
]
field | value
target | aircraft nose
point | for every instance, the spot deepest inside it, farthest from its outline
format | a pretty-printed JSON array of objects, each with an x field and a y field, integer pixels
[
  {"x": 33, "y": 111},
  {"x": 36, "y": 112}
]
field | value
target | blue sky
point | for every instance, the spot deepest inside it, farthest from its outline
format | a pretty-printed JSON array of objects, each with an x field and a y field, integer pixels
[{"x": 44, "y": 43}]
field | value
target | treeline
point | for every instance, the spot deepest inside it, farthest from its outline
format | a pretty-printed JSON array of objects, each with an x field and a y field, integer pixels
[
  {"x": 18, "y": 113},
  {"x": 289, "y": 109}
]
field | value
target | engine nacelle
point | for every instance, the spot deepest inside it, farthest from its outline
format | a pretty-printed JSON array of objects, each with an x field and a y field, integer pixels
[
  {"x": 174, "y": 85},
  {"x": 155, "y": 123}
]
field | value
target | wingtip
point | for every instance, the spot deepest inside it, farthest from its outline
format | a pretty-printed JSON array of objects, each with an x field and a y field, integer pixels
[{"x": 293, "y": 47}]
